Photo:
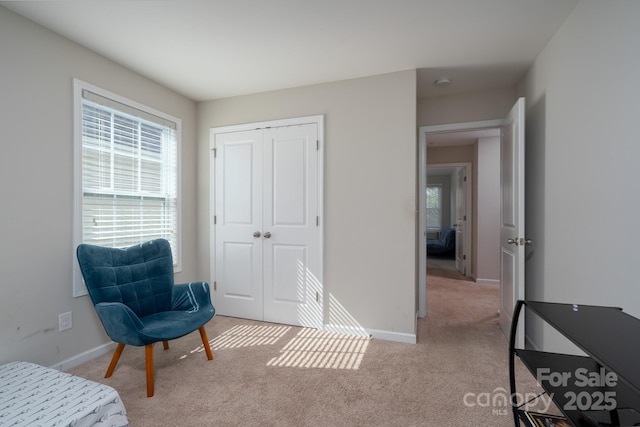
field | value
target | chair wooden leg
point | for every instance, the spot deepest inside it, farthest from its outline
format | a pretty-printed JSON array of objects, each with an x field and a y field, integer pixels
[
  {"x": 148, "y": 349},
  {"x": 114, "y": 360},
  {"x": 165, "y": 345},
  {"x": 205, "y": 342}
]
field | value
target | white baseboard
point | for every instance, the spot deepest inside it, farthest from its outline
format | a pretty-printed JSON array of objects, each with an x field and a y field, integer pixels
[
  {"x": 347, "y": 330},
  {"x": 393, "y": 336},
  {"x": 487, "y": 281},
  {"x": 371, "y": 333},
  {"x": 79, "y": 359}
]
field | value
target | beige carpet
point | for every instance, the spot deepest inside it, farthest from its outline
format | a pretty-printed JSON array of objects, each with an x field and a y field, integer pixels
[{"x": 274, "y": 375}]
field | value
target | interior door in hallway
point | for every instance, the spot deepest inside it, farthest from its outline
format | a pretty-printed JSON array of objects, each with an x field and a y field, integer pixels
[
  {"x": 512, "y": 238},
  {"x": 461, "y": 220},
  {"x": 267, "y": 236}
]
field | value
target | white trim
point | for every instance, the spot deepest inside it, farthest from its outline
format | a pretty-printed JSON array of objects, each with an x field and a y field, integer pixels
[
  {"x": 78, "y": 86},
  {"x": 459, "y": 127},
  {"x": 393, "y": 336},
  {"x": 83, "y": 357},
  {"x": 487, "y": 281},
  {"x": 422, "y": 181},
  {"x": 319, "y": 120},
  {"x": 346, "y": 330}
]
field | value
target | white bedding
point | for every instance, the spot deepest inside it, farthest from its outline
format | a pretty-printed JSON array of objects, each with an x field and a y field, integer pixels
[{"x": 32, "y": 395}]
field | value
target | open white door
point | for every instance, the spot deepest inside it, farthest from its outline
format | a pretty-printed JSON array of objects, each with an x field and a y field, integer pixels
[
  {"x": 512, "y": 239},
  {"x": 461, "y": 220}
]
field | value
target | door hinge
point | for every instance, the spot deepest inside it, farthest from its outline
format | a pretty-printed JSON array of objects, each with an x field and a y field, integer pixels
[
  {"x": 215, "y": 219},
  {"x": 215, "y": 153},
  {"x": 464, "y": 257},
  {"x": 464, "y": 218},
  {"x": 317, "y": 297},
  {"x": 317, "y": 221},
  {"x": 215, "y": 286},
  {"x": 465, "y": 179},
  {"x": 317, "y": 144}
]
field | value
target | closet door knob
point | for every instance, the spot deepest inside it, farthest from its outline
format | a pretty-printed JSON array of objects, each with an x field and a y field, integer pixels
[
  {"x": 267, "y": 235},
  {"x": 256, "y": 234}
]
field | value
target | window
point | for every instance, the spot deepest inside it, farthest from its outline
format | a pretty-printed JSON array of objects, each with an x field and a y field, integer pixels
[
  {"x": 126, "y": 174},
  {"x": 434, "y": 207}
]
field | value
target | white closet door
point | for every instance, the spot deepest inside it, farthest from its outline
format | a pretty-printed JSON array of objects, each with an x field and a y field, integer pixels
[
  {"x": 267, "y": 239},
  {"x": 290, "y": 209},
  {"x": 238, "y": 207}
]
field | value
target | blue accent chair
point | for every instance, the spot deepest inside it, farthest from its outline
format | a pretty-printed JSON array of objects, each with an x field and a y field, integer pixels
[
  {"x": 137, "y": 302},
  {"x": 445, "y": 245}
]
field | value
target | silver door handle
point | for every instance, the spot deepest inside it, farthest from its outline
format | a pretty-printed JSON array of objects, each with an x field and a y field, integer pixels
[
  {"x": 520, "y": 241},
  {"x": 256, "y": 234},
  {"x": 267, "y": 235}
]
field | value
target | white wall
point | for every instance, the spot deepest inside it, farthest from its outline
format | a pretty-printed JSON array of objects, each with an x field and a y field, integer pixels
[
  {"x": 583, "y": 154},
  {"x": 370, "y": 190},
  {"x": 488, "y": 211},
  {"x": 36, "y": 171}
]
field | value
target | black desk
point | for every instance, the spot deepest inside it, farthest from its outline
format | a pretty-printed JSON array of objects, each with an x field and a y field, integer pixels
[{"x": 605, "y": 384}]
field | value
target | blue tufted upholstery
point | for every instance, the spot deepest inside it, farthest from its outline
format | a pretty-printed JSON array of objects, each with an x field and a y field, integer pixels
[
  {"x": 137, "y": 302},
  {"x": 445, "y": 245}
]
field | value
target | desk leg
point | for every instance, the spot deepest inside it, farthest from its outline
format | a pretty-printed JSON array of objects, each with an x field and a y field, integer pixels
[{"x": 512, "y": 361}]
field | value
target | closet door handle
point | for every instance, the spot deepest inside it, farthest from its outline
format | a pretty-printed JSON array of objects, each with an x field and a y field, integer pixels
[
  {"x": 267, "y": 235},
  {"x": 256, "y": 234}
]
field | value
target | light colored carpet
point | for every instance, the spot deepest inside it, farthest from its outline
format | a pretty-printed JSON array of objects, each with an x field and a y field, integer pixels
[{"x": 274, "y": 375}]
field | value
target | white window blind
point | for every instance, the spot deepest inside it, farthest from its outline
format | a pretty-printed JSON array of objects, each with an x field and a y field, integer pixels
[
  {"x": 128, "y": 174},
  {"x": 434, "y": 207}
]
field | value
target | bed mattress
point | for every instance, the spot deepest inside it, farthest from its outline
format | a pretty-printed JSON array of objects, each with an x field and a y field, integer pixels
[{"x": 32, "y": 395}]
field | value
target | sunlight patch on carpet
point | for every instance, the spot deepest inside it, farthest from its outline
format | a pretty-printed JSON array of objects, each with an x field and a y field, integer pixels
[
  {"x": 249, "y": 336},
  {"x": 311, "y": 348}
]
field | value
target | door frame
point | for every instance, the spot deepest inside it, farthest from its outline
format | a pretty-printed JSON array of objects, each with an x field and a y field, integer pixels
[
  {"x": 421, "y": 238},
  {"x": 318, "y": 120},
  {"x": 468, "y": 229}
]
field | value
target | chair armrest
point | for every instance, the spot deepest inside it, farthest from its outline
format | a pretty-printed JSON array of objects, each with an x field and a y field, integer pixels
[
  {"x": 191, "y": 296},
  {"x": 120, "y": 322}
]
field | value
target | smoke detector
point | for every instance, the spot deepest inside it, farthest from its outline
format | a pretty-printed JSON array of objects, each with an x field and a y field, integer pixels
[{"x": 442, "y": 82}]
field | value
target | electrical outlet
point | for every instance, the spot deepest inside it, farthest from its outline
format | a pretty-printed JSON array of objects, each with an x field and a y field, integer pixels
[{"x": 65, "y": 321}]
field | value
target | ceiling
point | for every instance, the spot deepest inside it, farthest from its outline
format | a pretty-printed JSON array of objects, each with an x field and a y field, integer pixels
[{"x": 210, "y": 49}]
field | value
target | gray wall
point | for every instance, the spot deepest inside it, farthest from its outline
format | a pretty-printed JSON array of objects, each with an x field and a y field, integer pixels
[
  {"x": 487, "y": 214},
  {"x": 583, "y": 151},
  {"x": 370, "y": 191},
  {"x": 36, "y": 253}
]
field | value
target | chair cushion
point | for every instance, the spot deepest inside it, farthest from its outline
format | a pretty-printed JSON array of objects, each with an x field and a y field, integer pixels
[{"x": 170, "y": 325}]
